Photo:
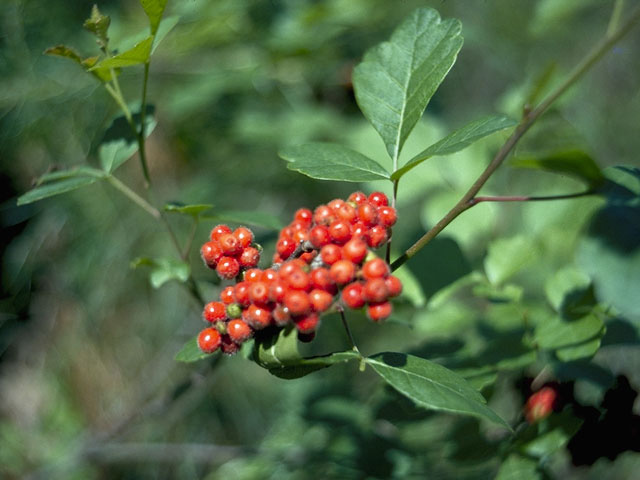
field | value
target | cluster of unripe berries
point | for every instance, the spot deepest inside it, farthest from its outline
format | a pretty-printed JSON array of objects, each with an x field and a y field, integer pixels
[{"x": 322, "y": 261}]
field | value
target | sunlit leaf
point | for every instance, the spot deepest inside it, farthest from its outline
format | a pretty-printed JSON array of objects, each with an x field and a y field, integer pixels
[
  {"x": 431, "y": 385},
  {"x": 328, "y": 161},
  {"x": 154, "y": 10},
  {"x": 574, "y": 162},
  {"x": 507, "y": 256},
  {"x": 56, "y": 183},
  {"x": 119, "y": 143},
  {"x": 164, "y": 269},
  {"x": 136, "y": 55},
  {"x": 458, "y": 140},
  {"x": 396, "y": 79},
  {"x": 191, "y": 210},
  {"x": 517, "y": 467}
]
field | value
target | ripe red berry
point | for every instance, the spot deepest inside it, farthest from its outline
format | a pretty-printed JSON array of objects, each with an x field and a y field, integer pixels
[
  {"x": 347, "y": 213},
  {"x": 378, "y": 199},
  {"x": 256, "y": 316},
  {"x": 330, "y": 254},
  {"x": 379, "y": 311},
  {"x": 241, "y": 292},
  {"x": 304, "y": 216},
  {"x": 219, "y": 230},
  {"x": 227, "y": 295},
  {"x": 269, "y": 275},
  {"x": 259, "y": 293},
  {"x": 209, "y": 340},
  {"x": 307, "y": 257},
  {"x": 340, "y": 231},
  {"x": 367, "y": 213},
  {"x": 229, "y": 347},
  {"x": 297, "y": 302},
  {"x": 285, "y": 247},
  {"x": 394, "y": 285},
  {"x": 335, "y": 205},
  {"x": 319, "y": 236},
  {"x": 281, "y": 315},
  {"x": 343, "y": 272},
  {"x": 321, "y": 279},
  {"x": 361, "y": 231},
  {"x": 229, "y": 244},
  {"x": 244, "y": 236},
  {"x": 352, "y": 295},
  {"x": 357, "y": 197},
  {"x": 253, "y": 275},
  {"x": 308, "y": 323},
  {"x": 321, "y": 300},
  {"x": 277, "y": 291},
  {"x": 355, "y": 250},
  {"x": 214, "y": 311},
  {"x": 323, "y": 215},
  {"x": 375, "y": 268},
  {"x": 375, "y": 290},
  {"x": 540, "y": 404},
  {"x": 298, "y": 279},
  {"x": 228, "y": 268},
  {"x": 211, "y": 253},
  {"x": 378, "y": 236},
  {"x": 239, "y": 331},
  {"x": 290, "y": 266},
  {"x": 249, "y": 257},
  {"x": 387, "y": 216}
]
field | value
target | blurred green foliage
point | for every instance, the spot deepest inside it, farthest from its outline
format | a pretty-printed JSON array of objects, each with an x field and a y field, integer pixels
[{"x": 508, "y": 293}]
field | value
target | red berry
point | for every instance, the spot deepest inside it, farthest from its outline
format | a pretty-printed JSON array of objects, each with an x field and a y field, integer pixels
[
  {"x": 269, "y": 275},
  {"x": 281, "y": 316},
  {"x": 308, "y": 323},
  {"x": 307, "y": 257},
  {"x": 355, "y": 250},
  {"x": 343, "y": 272},
  {"x": 277, "y": 291},
  {"x": 304, "y": 216},
  {"x": 253, "y": 275},
  {"x": 330, "y": 254},
  {"x": 323, "y": 215},
  {"x": 297, "y": 302},
  {"x": 256, "y": 316},
  {"x": 376, "y": 268},
  {"x": 249, "y": 257},
  {"x": 244, "y": 236},
  {"x": 229, "y": 347},
  {"x": 394, "y": 285},
  {"x": 347, "y": 213},
  {"x": 321, "y": 300},
  {"x": 357, "y": 197},
  {"x": 379, "y": 311},
  {"x": 320, "y": 278},
  {"x": 242, "y": 293},
  {"x": 387, "y": 216},
  {"x": 352, "y": 295},
  {"x": 319, "y": 236},
  {"x": 375, "y": 290},
  {"x": 361, "y": 231},
  {"x": 228, "y": 268},
  {"x": 211, "y": 253},
  {"x": 335, "y": 204},
  {"x": 229, "y": 244},
  {"x": 259, "y": 293},
  {"x": 214, "y": 311},
  {"x": 378, "y": 236},
  {"x": 340, "y": 231},
  {"x": 540, "y": 404},
  {"x": 298, "y": 279},
  {"x": 239, "y": 331},
  {"x": 367, "y": 213},
  {"x": 227, "y": 295},
  {"x": 378, "y": 199},
  {"x": 219, "y": 230},
  {"x": 285, "y": 247},
  {"x": 209, "y": 340}
]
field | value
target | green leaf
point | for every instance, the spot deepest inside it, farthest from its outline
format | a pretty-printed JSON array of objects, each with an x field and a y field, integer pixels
[
  {"x": 516, "y": 467},
  {"x": 119, "y": 143},
  {"x": 64, "y": 51},
  {"x": 396, "y": 79},
  {"x": 542, "y": 440},
  {"x": 328, "y": 161},
  {"x": 573, "y": 162},
  {"x": 98, "y": 24},
  {"x": 277, "y": 351},
  {"x": 190, "y": 352},
  {"x": 257, "y": 219},
  {"x": 191, "y": 210},
  {"x": 431, "y": 385},
  {"x": 154, "y": 10},
  {"x": 458, "y": 140},
  {"x": 166, "y": 25},
  {"x": 570, "y": 339},
  {"x": 507, "y": 256},
  {"x": 164, "y": 269},
  {"x": 56, "y": 183},
  {"x": 136, "y": 55}
]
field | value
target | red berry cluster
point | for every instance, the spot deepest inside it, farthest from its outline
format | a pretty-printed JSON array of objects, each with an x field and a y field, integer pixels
[{"x": 320, "y": 260}]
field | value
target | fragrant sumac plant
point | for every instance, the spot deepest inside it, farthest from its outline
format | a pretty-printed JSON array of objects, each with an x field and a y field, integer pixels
[{"x": 497, "y": 304}]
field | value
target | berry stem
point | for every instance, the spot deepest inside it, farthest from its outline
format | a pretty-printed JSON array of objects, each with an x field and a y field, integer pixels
[
  {"x": 348, "y": 330},
  {"x": 526, "y": 198},
  {"x": 141, "y": 132},
  {"x": 133, "y": 196},
  {"x": 528, "y": 119}
]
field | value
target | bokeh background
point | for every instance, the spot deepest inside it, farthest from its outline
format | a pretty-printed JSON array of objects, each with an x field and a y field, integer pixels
[{"x": 88, "y": 384}]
